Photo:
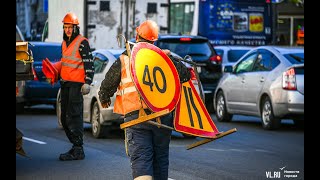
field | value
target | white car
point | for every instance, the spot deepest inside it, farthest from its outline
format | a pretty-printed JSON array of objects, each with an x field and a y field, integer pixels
[
  {"x": 100, "y": 118},
  {"x": 231, "y": 54}
]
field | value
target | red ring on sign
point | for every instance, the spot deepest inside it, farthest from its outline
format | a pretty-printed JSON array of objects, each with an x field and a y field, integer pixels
[{"x": 175, "y": 99}]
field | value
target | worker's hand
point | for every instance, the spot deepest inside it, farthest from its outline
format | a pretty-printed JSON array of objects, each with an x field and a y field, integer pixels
[
  {"x": 167, "y": 52},
  {"x": 48, "y": 80},
  {"x": 106, "y": 104},
  {"x": 85, "y": 89}
]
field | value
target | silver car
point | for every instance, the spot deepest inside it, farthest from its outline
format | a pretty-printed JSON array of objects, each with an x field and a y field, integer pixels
[
  {"x": 268, "y": 81},
  {"x": 100, "y": 118}
]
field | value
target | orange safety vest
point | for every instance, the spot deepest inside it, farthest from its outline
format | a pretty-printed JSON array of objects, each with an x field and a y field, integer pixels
[
  {"x": 72, "y": 66},
  {"x": 127, "y": 96}
]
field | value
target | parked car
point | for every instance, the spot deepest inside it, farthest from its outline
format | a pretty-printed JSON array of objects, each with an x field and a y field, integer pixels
[
  {"x": 39, "y": 91},
  {"x": 102, "y": 119},
  {"x": 231, "y": 54},
  {"x": 267, "y": 82},
  {"x": 195, "y": 81},
  {"x": 203, "y": 54}
]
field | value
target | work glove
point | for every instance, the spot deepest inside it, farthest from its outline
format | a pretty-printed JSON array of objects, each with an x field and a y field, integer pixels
[
  {"x": 167, "y": 52},
  {"x": 85, "y": 89},
  {"x": 106, "y": 104}
]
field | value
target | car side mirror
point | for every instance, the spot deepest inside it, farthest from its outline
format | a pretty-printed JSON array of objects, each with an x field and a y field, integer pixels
[{"x": 228, "y": 69}]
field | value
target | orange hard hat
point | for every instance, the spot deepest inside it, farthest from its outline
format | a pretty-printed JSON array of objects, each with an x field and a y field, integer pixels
[
  {"x": 70, "y": 18},
  {"x": 148, "y": 30}
]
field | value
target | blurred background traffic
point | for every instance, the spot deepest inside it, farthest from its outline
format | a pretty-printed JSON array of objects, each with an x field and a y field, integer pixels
[{"x": 216, "y": 34}]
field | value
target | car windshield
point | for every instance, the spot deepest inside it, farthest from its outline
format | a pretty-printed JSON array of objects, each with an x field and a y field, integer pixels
[
  {"x": 183, "y": 49},
  {"x": 235, "y": 55},
  {"x": 295, "y": 58}
]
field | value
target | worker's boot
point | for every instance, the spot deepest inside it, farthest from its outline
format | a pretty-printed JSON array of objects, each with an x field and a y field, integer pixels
[{"x": 75, "y": 153}]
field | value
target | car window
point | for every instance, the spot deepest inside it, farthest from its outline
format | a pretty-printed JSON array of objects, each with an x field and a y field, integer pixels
[
  {"x": 263, "y": 62},
  {"x": 235, "y": 55},
  {"x": 295, "y": 58},
  {"x": 246, "y": 64},
  {"x": 100, "y": 62},
  {"x": 274, "y": 62},
  {"x": 183, "y": 49}
]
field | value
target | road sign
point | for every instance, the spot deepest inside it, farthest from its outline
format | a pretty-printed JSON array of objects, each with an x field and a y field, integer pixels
[
  {"x": 155, "y": 77},
  {"x": 191, "y": 116}
]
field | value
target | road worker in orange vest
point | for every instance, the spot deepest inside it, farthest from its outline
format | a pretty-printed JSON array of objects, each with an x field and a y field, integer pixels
[{"x": 76, "y": 74}]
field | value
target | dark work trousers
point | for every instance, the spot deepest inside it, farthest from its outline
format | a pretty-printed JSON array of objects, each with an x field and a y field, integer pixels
[
  {"x": 72, "y": 111},
  {"x": 148, "y": 148}
]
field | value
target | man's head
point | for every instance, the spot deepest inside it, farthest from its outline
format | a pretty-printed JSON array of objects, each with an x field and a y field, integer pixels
[
  {"x": 147, "y": 31},
  {"x": 70, "y": 23}
]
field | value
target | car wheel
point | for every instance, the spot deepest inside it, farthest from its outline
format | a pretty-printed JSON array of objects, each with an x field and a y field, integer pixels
[
  {"x": 221, "y": 112},
  {"x": 209, "y": 107},
  {"x": 98, "y": 130},
  {"x": 58, "y": 109},
  {"x": 269, "y": 121}
]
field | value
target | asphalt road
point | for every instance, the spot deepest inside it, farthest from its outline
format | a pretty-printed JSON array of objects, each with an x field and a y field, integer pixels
[{"x": 249, "y": 153}]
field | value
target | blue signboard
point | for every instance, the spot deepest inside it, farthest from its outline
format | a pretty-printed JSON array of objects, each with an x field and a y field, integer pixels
[
  {"x": 45, "y": 6},
  {"x": 236, "y": 22}
]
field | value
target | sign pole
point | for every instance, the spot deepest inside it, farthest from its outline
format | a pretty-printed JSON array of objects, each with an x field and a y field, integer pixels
[{"x": 207, "y": 140}]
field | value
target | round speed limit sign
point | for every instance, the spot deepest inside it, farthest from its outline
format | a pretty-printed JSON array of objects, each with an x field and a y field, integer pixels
[{"x": 155, "y": 77}]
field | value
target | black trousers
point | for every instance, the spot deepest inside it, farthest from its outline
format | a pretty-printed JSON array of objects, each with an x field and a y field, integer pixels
[{"x": 72, "y": 111}]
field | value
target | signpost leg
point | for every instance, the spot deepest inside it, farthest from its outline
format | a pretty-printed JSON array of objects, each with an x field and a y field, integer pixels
[
  {"x": 143, "y": 117},
  {"x": 220, "y": 135}
]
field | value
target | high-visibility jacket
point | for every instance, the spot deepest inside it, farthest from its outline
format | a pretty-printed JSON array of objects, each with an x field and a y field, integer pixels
[
  {"x": 72, "y": 67},
  {"x": 127, "y": 96}
]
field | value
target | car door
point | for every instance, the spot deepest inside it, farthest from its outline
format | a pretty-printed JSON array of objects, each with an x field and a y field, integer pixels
[
  {"x": 100, "y": 62},
  {"x": 234, "y": 91},
  {"x": 255, "y": 81}
]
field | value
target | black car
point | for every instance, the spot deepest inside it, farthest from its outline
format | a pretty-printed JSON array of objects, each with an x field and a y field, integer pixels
[{"x": 202, "y": 52}]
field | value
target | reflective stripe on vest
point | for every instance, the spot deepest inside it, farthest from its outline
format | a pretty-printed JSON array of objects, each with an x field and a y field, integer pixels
[
  {"x": 127, "y": 96},
  {"x": 72, "y": 67}
]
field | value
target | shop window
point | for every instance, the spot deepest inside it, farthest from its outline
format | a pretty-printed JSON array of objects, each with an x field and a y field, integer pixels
[
  {"x": 181, "y": 17},
  {"x": 104, "y": 5},
  {"x": 152, "y": 8}
]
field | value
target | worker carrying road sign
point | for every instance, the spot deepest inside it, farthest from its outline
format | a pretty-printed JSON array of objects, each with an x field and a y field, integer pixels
[
  {"x": 155, "y": 78},
  {"x": 151, "y": 92},
  {"x": 149, "y": 83}
]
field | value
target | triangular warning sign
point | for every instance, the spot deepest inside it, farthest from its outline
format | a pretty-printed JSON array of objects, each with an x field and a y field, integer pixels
[{"x": 191, "y": 115}]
